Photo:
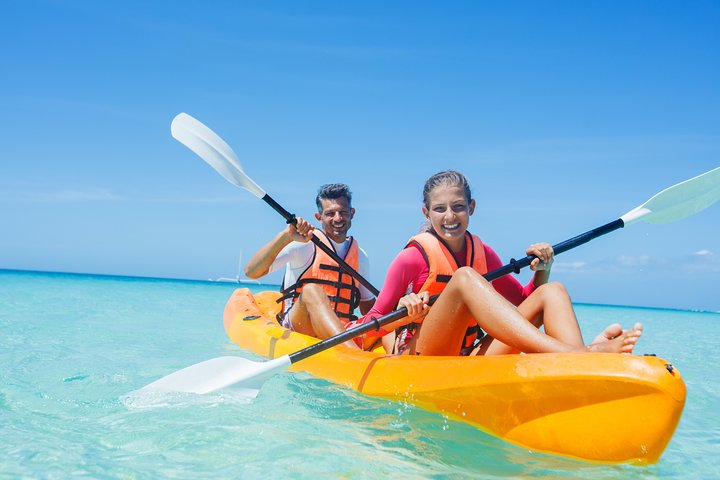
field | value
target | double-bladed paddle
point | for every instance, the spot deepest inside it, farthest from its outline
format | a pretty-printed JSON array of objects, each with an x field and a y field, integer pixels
[
  {"x": 218, "y": 154},
  {"x": 673, "y": 203}
]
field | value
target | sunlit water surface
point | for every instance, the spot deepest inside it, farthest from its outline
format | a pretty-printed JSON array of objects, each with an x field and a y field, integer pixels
[{"x": 73, "y": 346}]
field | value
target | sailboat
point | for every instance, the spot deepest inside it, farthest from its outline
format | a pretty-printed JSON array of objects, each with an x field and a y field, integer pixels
[{"x": 238, "y": 279}]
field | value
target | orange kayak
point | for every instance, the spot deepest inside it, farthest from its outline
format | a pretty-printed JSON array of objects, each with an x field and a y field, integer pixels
[{"x": 608, "y": 408}]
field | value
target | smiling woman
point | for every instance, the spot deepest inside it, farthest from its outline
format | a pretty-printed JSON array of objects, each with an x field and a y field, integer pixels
[{"x": 447, "y": 258}]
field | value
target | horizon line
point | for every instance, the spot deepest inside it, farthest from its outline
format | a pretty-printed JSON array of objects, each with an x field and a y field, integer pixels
[{"x": 228, "y": 281}]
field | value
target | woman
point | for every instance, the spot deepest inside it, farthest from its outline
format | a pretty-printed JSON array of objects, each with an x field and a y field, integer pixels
[{"x": 447, "y": 258}]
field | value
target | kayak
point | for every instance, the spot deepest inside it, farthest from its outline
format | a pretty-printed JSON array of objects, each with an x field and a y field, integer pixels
[{"x": 600, "y": 407}]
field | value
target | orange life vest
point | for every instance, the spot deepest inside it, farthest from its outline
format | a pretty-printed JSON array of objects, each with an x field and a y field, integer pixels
[
  {"x": 442, "y": 264},
  {"x": 341, "y": 288}
]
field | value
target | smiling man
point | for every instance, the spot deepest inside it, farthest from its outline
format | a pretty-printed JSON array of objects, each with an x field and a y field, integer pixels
[{"x": 319, "y": 297}]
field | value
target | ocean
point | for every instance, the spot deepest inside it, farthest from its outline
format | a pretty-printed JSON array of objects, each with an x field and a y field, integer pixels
[{"x": 73, "y": 346}]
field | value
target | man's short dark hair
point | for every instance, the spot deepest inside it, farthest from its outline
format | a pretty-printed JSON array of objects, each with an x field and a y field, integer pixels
[{"x": 333, "y": 191}]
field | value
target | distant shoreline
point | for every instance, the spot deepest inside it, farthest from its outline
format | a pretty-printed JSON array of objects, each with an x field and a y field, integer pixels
[
  {"x": 138, "y": 277},
  {"x": 228, "y": 281}
]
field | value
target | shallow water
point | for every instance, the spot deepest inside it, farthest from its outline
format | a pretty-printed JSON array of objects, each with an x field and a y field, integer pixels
[{"x": 73, "y": 346}]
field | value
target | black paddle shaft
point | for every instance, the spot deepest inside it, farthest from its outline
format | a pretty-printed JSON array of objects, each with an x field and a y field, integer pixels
[
  {"x": 290, "y": 218},
  {"x": 513, "y": 266}
]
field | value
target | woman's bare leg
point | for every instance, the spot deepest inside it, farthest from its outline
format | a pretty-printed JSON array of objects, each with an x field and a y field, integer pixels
[
  {"x": 548, "y": 305},
  {"x": 469, "y": 295}
]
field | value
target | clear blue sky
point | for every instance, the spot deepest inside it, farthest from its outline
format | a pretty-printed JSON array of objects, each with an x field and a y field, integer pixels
[{"x": 564, "y": 115}]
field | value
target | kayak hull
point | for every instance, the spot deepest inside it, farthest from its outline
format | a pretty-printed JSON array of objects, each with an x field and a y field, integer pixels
[{"x": 606, "y": 408}]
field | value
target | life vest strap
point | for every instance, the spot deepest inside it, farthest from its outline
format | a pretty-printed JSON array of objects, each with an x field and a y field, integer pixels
[
  {"x": 336, "y": 299},
  {"x": 332, "y": 283},
  {"x": 339, "y": 286},
  {"x": 303, "y": 281},
  {"x": 292, "y": 292},
  {"x": 333, "y": 268},
  {"x": 285, "y": 296}
]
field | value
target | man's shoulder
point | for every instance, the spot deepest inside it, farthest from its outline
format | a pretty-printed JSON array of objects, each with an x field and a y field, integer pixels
[
  {"x": 361, "y": 251},
  {"x": 294, "y": 246},
  {"x": 299, "y": 249}
]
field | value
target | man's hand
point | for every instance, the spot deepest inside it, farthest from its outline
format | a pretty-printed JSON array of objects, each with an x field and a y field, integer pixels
[{"x": 301, "y": 231}]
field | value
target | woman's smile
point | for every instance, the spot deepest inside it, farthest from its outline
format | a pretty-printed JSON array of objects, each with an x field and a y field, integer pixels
[{"x": 449, "y": 213}]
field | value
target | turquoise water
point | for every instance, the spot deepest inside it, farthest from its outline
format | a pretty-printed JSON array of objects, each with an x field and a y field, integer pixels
[{"x": 73, "y": 346}]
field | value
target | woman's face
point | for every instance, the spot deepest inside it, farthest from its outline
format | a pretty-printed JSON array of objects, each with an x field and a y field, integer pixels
[{"x": 449, "y": 214}]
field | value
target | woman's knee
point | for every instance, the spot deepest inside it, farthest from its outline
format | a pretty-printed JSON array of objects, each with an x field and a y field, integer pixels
[
  {"x": 467, "y": 274},
  {"x": 469, "y": 284},
  {"x": 553, "y": 289}
]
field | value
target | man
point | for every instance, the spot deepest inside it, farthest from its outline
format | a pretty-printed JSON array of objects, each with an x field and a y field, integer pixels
[{"x": 319, "y": 296}]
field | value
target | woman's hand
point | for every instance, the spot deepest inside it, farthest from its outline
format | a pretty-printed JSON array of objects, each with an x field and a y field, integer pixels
[
  {"x": 416, "y": 304},
  {"x": 545, "y": 256},
  {"x": 301, "y": 231}
]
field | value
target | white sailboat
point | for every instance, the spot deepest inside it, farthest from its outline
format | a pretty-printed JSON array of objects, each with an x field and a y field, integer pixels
[{"x": 238, "y": 278}]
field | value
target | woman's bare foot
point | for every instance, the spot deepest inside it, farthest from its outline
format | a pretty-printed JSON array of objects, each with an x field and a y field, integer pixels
[
  {"x": 623, "y": 343},
  {"x": 610, "y": 332}
]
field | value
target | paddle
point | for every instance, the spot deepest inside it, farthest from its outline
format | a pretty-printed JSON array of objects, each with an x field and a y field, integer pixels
[
  {"x": 218, "y": 154},
  {"x": 674, "y": 203}
]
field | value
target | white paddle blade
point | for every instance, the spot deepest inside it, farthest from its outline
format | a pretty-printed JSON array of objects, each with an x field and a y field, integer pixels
[
  {"x": 213, "y": 149},
  {"x": 217, "y": 373},
  {"x": 679, "y": 201}
]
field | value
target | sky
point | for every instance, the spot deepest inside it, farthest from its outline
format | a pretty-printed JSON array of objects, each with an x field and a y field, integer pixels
[{"x": 564, "y": 115}]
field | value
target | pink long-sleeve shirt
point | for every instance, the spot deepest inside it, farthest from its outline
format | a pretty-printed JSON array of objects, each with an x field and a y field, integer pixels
[{"x": 409, "y": 271}]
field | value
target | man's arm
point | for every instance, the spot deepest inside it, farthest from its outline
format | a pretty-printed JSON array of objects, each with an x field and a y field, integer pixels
[{"x": 259, "y": 264}]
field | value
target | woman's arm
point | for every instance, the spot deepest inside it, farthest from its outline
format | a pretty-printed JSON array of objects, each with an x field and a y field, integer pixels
[
  {"x": 407, "y": 270},
  {"x": 508, "y": 286}
]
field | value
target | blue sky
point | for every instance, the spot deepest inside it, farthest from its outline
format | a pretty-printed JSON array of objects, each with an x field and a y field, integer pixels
[{"x": 564, "y": 115}]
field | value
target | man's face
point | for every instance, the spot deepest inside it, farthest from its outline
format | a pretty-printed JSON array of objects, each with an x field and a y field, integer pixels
[{"x": 336, "y": 218}]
